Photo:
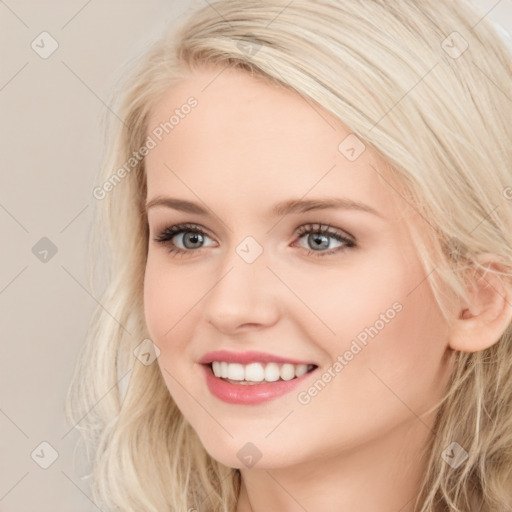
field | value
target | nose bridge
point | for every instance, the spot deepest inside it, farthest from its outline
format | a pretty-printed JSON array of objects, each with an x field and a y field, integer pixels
[
  {"x": 241, "y": 292},
  {"x": 243, "y": 270}
]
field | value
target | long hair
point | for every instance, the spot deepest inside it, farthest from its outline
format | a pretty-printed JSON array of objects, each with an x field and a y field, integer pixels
[{"x": 425, "y": 84}]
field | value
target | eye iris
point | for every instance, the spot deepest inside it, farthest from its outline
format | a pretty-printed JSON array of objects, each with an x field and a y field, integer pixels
[
  {"x": 195, "y": 238},
  {"x": 318, "y": 240}
]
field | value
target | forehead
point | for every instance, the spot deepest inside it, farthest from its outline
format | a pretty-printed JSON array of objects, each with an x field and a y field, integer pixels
[
  {"x": 231, "y": 104},
  {"x": 250, "y": 143}
]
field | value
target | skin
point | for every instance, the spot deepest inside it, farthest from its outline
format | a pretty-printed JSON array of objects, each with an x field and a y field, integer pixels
[{"x": 357, "y": 444}]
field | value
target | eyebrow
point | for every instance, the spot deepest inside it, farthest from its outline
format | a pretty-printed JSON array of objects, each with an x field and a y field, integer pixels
[{"x": 280, "y": 209}]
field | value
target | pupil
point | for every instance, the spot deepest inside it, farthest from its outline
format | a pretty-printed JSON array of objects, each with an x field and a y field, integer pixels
[{"x": 194, "y": 238}]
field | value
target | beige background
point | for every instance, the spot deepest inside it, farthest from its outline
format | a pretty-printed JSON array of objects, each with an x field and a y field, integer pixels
[{"x": 51, "y": 146}]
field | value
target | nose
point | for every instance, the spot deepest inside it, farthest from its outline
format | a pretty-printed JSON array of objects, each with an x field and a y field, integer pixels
[{"x": 243, "y": 295}]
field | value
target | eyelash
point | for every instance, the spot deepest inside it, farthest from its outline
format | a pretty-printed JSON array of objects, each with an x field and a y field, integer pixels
[{"x": 168, "y": 233}]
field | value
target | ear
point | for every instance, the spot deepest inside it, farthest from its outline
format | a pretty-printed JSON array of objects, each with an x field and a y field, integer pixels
[{"x": 483, "y": 320}]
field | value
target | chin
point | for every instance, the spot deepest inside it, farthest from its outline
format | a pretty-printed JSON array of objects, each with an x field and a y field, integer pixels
[{"x": 247, "y": 454}]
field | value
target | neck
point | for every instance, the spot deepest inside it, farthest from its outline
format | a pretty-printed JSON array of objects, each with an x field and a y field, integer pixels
[{"x": 383, "y": 474}]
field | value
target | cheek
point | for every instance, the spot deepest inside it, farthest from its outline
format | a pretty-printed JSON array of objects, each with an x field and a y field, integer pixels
[
  {"x": 156, "y": 304},
  {"x": 170, "y": 318},
  {"x": 169, "y": 297},
  {"x": 389, "y": 332},
  {"x": 399, "y": 365},
  {"x": 341, "y": 300},
  {"x": 410, "y": 343}
]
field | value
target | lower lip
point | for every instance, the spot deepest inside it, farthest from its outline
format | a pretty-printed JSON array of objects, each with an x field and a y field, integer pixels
[{"x": 250, "y": 394}]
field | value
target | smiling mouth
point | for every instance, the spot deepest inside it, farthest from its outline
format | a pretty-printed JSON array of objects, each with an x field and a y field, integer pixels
[{"x": 259, "y": 373}]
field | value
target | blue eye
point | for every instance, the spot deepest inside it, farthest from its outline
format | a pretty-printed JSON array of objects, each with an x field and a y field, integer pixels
[
  {"x": 318, "y": 236},
  {"x": 193, "y": 237}
]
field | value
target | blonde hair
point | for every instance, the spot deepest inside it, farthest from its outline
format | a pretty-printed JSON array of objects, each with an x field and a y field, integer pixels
[{"x": 399, "y": 75}]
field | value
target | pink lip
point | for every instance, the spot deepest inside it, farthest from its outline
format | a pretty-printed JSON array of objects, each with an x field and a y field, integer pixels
[
  {"x": 246, "y": 358},
  {"x": 249, "y": 394}
]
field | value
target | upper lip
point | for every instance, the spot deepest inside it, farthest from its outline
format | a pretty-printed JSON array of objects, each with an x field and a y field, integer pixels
[{"x": 247, "y": 357}]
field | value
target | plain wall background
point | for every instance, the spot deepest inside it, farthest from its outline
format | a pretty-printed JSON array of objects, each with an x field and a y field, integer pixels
[{"x": 52, "y": 144}]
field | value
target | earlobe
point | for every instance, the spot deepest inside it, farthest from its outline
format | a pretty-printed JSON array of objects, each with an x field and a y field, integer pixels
[{"x": 485, "y": 318}]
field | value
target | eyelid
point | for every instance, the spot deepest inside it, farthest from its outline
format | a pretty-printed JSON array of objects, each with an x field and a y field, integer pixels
[
  {"x": 328, "y": 229},
  {"x": 299, "y": 231},
  {"x": 179, "y": 229}
]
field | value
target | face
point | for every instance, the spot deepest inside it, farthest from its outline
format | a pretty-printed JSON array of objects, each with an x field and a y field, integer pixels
[{"x": 338, "y": 287}]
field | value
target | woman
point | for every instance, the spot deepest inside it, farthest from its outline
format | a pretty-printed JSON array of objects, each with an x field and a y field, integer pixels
[{"x": 309, "y": 298}]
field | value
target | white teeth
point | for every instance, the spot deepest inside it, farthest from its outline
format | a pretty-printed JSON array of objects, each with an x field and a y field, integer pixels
[
  {"x": 254, "y": 372},
  {"x": 301, "y": 369},
  {"x": 287, "y": 371},
  {"x": 272, "y": 372},
  {"x": 236, "y": 371},
  {"x": 258, "y": 372}
]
